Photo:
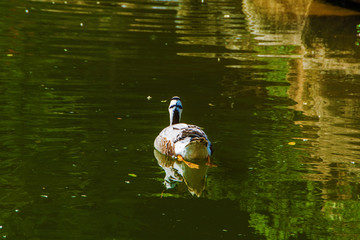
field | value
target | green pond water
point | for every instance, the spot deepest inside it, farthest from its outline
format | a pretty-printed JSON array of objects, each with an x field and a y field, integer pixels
[{"x": 84, "y": 91}]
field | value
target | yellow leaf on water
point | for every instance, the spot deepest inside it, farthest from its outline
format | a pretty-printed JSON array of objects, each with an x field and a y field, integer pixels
[
  {"x": 292, "y": 143},
  {"x": 132, "y": 175},
  {"x": 211, "y": 105},
  {"x": 119, "y": 118}
]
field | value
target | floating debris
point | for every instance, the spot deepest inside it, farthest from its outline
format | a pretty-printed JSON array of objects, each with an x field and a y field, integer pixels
[
  {"x": 132, "y": 175},
  {"x": 211, "y": 105},
  {"x": 149, "y": 98},
  {"x": 292, "y": 143}
]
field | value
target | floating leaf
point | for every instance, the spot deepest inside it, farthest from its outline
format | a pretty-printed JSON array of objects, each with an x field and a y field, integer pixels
[
  {"x": 119, "y": 118},
  {"x": 292, "y": 143},
  {"x": 211, "y": 105},
  {"x": 132, "y": 175}
]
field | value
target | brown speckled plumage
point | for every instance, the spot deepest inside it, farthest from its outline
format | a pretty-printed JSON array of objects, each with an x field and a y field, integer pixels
[
  {"x": 192, "y": 131},
  {"x": 165, "y": 146},
  {"x": 180, "y": 139}
]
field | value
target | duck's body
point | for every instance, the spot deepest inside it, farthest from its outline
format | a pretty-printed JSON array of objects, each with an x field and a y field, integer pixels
[
  {"x": 188, "y": 141},
  {"x": 184, "y": 141}
]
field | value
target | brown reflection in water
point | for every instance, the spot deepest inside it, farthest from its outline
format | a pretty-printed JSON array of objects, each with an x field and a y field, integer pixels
[
  {"x": 285, "y": 17},
  {"x": 218, "y": 27},
  {"x": 181, "y": 176},
  {"x": 323, "y": 84},
  {"x": 326, "y": 90}
]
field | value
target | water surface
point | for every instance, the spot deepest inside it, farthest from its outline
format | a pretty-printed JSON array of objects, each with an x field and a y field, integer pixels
[{"x": 85, "y": 87}]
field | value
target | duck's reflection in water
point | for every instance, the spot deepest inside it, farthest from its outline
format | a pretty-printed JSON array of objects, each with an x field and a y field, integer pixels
[{"x": 183, "y": 175}]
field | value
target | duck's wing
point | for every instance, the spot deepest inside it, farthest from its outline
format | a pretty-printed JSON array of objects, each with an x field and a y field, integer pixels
[
  {"x": 179, "y": 133},
  {"x": 192, "y": 132},
  {"x": 164, "y": 142},
  {"x": 197, "y": 134}
]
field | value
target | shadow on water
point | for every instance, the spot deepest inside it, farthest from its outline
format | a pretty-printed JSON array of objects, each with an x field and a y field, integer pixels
[{"x": 84, "y": 86}]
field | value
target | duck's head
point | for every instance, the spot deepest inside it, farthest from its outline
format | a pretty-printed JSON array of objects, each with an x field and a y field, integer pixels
[{"x": 175, "y": 109}]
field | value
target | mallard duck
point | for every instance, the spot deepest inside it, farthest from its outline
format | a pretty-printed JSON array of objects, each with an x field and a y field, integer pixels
[{"x": 185, "y": 142}]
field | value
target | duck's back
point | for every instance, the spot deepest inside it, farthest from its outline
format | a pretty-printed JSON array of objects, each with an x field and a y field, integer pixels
[{"x": 173, "y": 139}]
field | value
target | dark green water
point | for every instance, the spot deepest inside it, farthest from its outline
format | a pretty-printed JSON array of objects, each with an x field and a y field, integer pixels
[{"x": 84, "y": 90}]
